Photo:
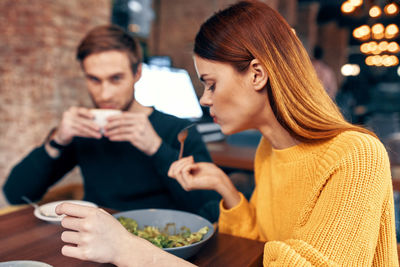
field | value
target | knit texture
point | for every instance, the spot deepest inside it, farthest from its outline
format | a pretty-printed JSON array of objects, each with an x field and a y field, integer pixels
[{"x": 323, "y": 204}]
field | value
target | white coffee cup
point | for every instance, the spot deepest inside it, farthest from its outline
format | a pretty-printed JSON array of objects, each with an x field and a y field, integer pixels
[{"x": 101, "y": 115}]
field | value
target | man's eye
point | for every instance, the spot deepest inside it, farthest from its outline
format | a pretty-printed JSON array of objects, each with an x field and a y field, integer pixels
[
  {"x": 93, "y": 79},
  {"x": 116, "y": 78}
]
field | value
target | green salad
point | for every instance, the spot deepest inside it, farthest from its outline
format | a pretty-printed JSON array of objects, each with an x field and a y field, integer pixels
[{"x": 162, "y": 237}]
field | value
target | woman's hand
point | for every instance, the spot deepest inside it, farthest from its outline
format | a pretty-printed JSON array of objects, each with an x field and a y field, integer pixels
[
  {"x": 206, "y": 176},
  {"x": 97, "y": 236}
]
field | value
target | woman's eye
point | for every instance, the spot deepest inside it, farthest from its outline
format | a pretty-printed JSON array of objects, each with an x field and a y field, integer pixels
[{"x": 212, "y": 87}]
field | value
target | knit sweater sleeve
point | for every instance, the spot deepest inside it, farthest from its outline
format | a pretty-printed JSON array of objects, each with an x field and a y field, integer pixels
[
  {"x": 241, "y": 220},
  {"x": 346, "y": 220},
  {"x": 36, "y": 173}
]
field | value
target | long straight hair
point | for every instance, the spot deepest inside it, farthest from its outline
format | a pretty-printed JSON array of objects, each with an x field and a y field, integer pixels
[{"x": 251, "y": 29}]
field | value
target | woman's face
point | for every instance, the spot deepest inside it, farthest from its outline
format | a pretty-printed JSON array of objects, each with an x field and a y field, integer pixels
[{"x": 235, "y": 103}]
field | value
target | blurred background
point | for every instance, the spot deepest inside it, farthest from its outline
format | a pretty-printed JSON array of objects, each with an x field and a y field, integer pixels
[{"x": 356, "y": 41}]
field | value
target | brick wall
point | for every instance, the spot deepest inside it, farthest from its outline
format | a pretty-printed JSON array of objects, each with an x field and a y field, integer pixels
[{"x": 39, "y": 77}]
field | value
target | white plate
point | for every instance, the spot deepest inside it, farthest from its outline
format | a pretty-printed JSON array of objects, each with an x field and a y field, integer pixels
[
  {"x": 49, "y": 208},
  {"x": 24, "y": 264}
]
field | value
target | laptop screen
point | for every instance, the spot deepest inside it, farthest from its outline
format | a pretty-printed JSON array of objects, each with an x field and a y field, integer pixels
[{"x": 169, "y": 90}]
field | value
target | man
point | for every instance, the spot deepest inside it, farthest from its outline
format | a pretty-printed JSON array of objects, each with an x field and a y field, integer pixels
[{"x": 124, "y": 166}]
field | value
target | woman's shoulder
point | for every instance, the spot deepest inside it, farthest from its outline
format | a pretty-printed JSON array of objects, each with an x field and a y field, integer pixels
[
  {"x": 348, "y": 145},
  {"x": 353, "y": 141},
  {"x": 356, "y": 148}
]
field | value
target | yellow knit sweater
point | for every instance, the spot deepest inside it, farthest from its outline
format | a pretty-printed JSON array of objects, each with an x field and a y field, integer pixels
[{"x": 323, "y": 204}]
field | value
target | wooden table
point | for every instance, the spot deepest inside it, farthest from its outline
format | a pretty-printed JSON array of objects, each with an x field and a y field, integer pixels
[
  {"x": 24, "y": 237},
  {"x": 229, "y": 156}
]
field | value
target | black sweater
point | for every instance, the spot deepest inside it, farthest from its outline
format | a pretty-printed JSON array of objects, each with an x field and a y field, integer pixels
[{"x": 116, "y": 174}]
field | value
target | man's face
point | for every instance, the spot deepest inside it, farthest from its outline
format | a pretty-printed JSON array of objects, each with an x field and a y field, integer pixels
[{"x": 110, "y": 80}]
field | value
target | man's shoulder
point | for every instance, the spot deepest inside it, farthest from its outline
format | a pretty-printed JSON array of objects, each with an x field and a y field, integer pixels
[{"x": 158, "y": 117}]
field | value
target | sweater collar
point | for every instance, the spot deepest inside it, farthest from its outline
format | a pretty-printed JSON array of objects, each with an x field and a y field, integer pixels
[{"x": 293, "y": 153}]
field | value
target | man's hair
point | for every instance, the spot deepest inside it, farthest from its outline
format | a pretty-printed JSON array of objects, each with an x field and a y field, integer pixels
[{"x": 110, "y": 37}]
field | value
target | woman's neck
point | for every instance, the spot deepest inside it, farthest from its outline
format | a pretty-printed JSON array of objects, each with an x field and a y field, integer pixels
[{"x": 278, "y": 137}]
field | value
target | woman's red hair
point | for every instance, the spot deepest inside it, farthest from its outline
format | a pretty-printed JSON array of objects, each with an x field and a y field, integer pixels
[{"x": 251, "y": 29}]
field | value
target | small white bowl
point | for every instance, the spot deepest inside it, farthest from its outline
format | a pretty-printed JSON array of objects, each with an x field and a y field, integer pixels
[{"x": 49, "y": 208}]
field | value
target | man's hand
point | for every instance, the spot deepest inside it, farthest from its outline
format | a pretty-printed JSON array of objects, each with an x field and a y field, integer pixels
[
  {"x": 76, "y": 121},
  {"x": 134, "y": 128}
]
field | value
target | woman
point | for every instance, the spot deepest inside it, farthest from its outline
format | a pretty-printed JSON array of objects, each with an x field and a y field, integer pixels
[{"x": 323, "y": 191}]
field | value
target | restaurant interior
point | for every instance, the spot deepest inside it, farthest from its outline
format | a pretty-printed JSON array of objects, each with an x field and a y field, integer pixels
[{"x": 40, "y": 77}]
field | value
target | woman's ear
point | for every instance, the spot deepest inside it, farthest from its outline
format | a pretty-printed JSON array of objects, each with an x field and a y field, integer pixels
[{"x": 258, "y": 74}]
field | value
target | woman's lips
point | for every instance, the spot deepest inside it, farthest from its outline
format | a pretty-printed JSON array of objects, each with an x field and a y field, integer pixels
[{"x": 214, "y": 118}]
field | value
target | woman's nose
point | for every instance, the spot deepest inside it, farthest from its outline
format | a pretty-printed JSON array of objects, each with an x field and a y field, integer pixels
[{"x": 205, "y": 99}]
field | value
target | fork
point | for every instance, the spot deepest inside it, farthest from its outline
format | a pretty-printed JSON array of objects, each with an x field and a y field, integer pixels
[
  {"x": 182, "y": 135},
  {"x": 36, "y": 206}
]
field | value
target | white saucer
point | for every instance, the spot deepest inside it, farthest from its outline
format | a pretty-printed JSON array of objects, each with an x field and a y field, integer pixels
[
  {"x": 49, "y": 208},
  {"x": 24, "y": 264}
]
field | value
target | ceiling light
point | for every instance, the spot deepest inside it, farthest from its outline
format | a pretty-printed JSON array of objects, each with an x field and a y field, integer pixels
[
  {"x": 364, "y": 48},
  {"x": 375, "y": 11},
  {"x": 377, "y": 60},
  {"x": 369, "y": 61},
  {"x": 391, "y": 31},
  {"x": 350, "y": 70},
  {"x": 383, "y": 46},
  {"x": 387, "y": 61},
  {"x": 393, "y": 47},
  {"x": 378, "y": 28},
  {"x": 356, "y": 3},
  {"x": 357, "y": 33},
  {"x": 391, "y": 9},
  {"x": 347, "y": 7},
  {"x": 362, "y": 32},
  {"x": 372, "y": 46},
  {"x": 135, "y": 6}
]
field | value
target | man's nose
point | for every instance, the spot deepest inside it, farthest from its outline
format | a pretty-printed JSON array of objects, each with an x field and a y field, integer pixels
[
  {"x": 106, "y": 91},
  {"x": 205, "y": 99}
]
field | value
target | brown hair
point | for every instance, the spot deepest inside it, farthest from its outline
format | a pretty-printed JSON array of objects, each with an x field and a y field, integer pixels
[
  {"x": 251, "y": 29},
  {"x": 110, "y": 37}
]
